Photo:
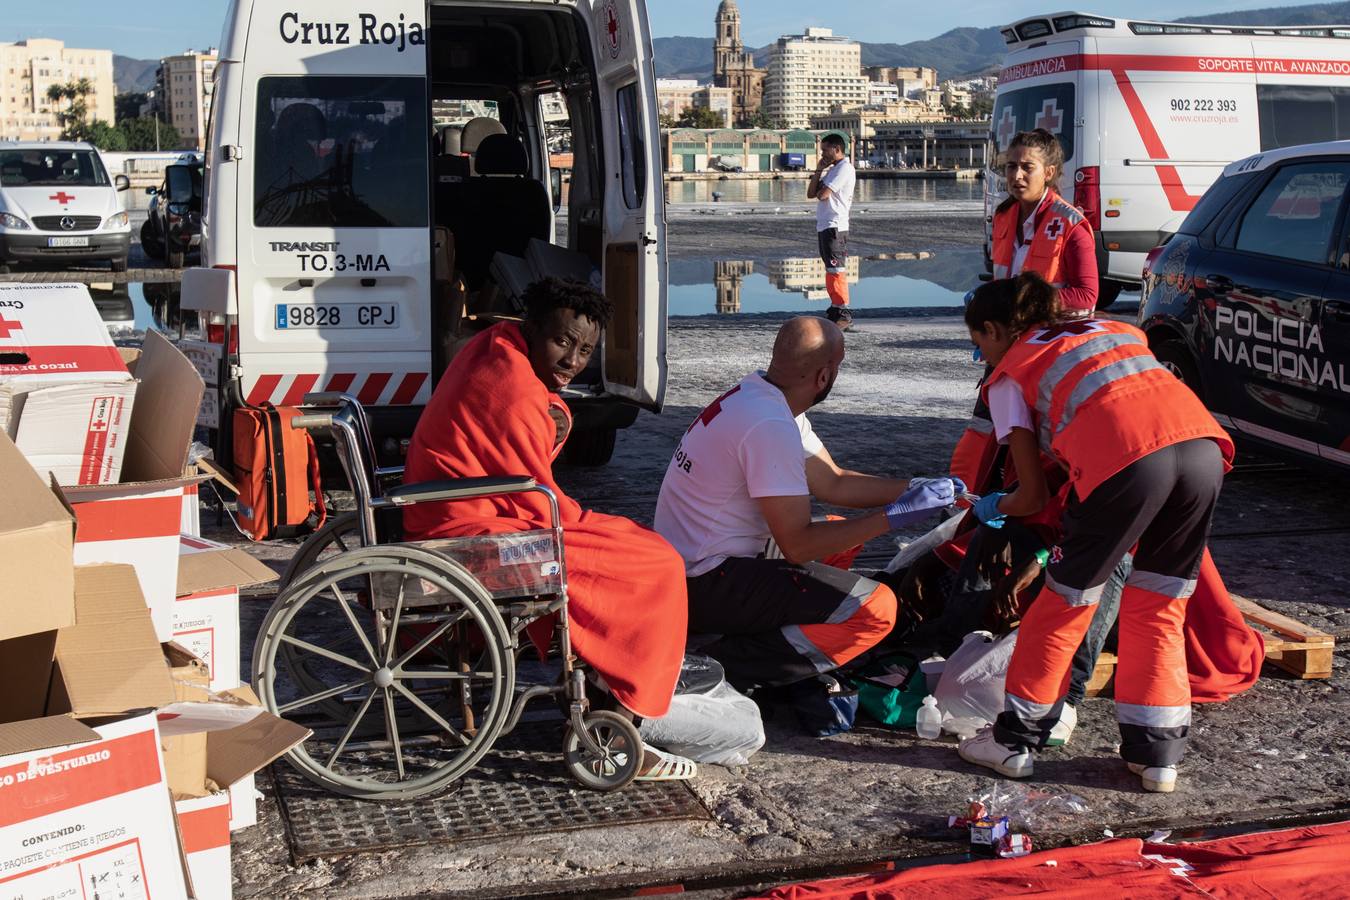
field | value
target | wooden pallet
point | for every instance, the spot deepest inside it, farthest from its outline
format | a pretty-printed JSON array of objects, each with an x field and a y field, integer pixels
[{"x": 1298, "y": 649}]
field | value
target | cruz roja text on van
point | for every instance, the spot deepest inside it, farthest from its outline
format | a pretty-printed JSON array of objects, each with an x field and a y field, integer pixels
[
  {"x": 369, "y": 30},
  {"x": 1281, "y": 348}
]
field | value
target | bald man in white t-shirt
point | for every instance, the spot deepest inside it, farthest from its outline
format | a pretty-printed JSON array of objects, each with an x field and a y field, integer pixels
[{"x": 741, "y": 482}]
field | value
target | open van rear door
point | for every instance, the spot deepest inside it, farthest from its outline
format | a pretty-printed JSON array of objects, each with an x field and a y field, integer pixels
[{"x": 634, "y": 226}]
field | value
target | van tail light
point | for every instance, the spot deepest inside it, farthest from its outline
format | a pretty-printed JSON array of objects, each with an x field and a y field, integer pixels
[
  {"x": 1087, "y": 194},
  {"x": 1152, "y": 258}
]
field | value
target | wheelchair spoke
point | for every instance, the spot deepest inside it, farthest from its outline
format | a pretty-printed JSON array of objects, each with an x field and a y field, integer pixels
[
  {"x": 351, "y": 729},
  {"x": 391, "y": 639},
  {"x": 322, "y": 695},
  {"x": 445, "y": 676},
  {"x": 391, "y": 731},
  {"x": 356, "y": 626},
  {"x": 326, "y": 653},
  {"x": 432, "y": 714},
  {"x": 433, "y": 635}
]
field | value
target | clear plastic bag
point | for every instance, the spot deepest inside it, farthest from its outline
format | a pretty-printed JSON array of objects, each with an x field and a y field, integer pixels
[
  {"x": 721, "y": 726},
  {"x": 971, "y": 686},
  {"x": 1032, "y": 809}
]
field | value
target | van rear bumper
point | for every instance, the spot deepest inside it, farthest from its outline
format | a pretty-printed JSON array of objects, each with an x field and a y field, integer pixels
[{"x": 26, "y": 248}]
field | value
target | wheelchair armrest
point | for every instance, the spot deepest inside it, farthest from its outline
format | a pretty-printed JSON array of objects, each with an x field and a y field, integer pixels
[{"x": 454, "y": 489}]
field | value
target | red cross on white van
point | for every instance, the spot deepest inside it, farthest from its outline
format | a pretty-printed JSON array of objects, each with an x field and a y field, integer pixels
[
  {"x": 1007, "y": 128},
  {"x": 1050, "y": 118}
]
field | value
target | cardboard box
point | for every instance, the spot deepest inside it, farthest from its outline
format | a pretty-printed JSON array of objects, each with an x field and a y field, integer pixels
[
  {"x": 206, "y": 609},
  {"x": 244, "y": 797},
  {"x": 66, "y": 397},
  {"x": 37, "y": 534},
  {"x": 190, "y": 522},
  {"x": 137, "y": 521},
  {"x": 204, "y": 824},
  {"x": 91, "y": 810}
]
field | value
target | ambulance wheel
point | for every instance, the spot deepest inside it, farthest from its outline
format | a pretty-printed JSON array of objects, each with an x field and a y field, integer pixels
[
  {"x": 622, "y": 752},
  {"x": 390, "y": 720},
  {"x": 1107, "y": 292},
  {"x": 119, "y": 265},
  {"x": 590, "y": 447},
  {"x": 1176, "y": 359}
]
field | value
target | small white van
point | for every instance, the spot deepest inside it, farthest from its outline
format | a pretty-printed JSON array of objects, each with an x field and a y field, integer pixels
[
  {"x": 59, "y": 205},
  {"x": 378, "y": 186},
  {"x": 1149, "y": 114}
]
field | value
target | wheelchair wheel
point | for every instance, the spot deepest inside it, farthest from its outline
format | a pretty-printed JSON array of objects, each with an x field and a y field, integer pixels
[
  {"x": 390, "y": 719},
  {"x": 621, "y": 759},
  {"x": 340, "y": 534}
]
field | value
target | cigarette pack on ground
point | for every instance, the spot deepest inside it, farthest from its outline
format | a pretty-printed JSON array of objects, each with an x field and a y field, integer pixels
[
  {"x": 137, "y": 520},
  {"x": 66, "y": 397}
]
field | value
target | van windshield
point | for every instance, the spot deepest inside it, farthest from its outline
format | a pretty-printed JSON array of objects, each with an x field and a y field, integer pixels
[
  {"x": 1048, "y": 106},
  {"x": 341, "y": 152},
  {"x": 49, "y": 168}
]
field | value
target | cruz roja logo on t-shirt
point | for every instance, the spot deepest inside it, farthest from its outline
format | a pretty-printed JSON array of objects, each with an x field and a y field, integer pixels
[{"x": 682, "y": 460}]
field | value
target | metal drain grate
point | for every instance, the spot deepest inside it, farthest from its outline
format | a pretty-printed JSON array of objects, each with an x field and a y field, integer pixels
[{"x": 519, "y": 788}]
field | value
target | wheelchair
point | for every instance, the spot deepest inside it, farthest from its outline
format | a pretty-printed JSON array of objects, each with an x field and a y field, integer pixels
[{"x": 402, "y": 656}]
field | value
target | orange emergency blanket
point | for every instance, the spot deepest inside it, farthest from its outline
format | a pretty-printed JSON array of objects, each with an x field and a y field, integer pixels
[
  {"x": 1298, "y": 862},
  {"x": 628, "y": 605}
]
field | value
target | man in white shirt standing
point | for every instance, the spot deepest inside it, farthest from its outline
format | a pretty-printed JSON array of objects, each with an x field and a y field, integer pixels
[
  {"x": 741, "y": 482},
  {"x": 831, "y": 187}
]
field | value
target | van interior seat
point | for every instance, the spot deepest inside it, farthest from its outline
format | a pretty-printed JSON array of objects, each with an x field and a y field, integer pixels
[{"x": 505, "y": 208}]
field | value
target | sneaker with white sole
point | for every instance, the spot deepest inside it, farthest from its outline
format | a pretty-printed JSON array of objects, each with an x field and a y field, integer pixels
[
  {"x": 1063, "y": 730},
  {"x": 1157, "y": 779},
  {"x": 984, "y": 750}
]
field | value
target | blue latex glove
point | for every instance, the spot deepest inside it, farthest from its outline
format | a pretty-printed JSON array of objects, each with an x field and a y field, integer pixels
[
  {"x": 986, "y": 510},
  {"x": 924, "y": 497}
]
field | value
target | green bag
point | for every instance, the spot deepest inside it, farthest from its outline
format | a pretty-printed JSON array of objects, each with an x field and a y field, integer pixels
[{"x": 891, "y": 689}]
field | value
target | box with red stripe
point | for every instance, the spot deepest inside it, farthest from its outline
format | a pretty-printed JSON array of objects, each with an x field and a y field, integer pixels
[
  {"x": 66, "y": 395},
  {"x": 204, "y": 824}
]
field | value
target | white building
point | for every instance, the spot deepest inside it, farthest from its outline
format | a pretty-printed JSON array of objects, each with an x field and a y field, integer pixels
[
  {"x": 185, "y": 83},
  {"x": 675, "y": 95},
  {"x": 882, "y": 92},
  {"x": 811, "y": 74},
  {"x": 29, "y": 68}
]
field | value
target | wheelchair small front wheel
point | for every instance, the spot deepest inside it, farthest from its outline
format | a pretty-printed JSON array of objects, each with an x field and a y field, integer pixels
[{"x": 621, "y": 756}]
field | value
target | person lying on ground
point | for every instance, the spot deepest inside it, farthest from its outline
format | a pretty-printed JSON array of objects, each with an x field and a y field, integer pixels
[
  {"x": 743, "y": 476},
  {"x": 497, "y": 412}
]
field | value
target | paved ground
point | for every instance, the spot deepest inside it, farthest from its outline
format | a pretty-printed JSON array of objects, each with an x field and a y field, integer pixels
[{"x": 898, "y": 406}]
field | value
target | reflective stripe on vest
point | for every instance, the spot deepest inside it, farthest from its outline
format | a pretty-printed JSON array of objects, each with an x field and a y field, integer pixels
[
  {"x": 1043, "y": 257},
  {"x": 1060, "y": 369}
]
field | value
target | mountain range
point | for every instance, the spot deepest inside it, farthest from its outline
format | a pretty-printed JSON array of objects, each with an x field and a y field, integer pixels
[
  {"x": 959, "y": 53},
  {"x": 967, "y": 52}
]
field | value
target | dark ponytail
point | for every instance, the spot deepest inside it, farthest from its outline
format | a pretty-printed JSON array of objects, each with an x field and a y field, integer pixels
[
  {"x": 1019, "y": 304},
  {"x": 1049, "y": 147}
]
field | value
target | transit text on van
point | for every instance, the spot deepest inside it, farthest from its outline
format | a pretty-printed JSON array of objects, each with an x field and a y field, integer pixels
[
  {"x": 303, "y": 246},
  {"x": 370, "y": 30}
]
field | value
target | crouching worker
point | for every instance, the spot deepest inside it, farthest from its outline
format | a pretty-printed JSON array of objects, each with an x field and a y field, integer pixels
[
  {"x": 745, "y": 473},
  {"x": 1145, "y": 462},
  {"x": 497, "y": 412}
]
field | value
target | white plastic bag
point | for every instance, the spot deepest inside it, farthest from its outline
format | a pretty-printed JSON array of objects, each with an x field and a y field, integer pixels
[
  {"x": 721, "y": 726},
  {"x": 971, "y": 686}
]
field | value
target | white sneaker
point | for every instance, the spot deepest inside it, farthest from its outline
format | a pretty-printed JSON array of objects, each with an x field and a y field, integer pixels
[
  {"x": 983, "y": 750},
  {"x": 1158, "y": 779},
  {"x": 1063, "y": 730}
]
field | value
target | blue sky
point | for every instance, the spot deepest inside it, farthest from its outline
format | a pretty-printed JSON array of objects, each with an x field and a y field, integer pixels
[{"x": 175, "y": 25}]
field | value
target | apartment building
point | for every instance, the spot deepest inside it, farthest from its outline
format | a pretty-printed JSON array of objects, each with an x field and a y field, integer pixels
[
  {"x": 29, "y": 68},
  {"x": 184, "y": 85},
  {"x": 675, "y": 95},
  {"x": 812, "y": 73}
]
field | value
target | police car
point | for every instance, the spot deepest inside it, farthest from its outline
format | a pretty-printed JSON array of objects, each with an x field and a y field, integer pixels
[
  {"x": 1249, "y": 302},
  {"x": 58, "y": 204}
]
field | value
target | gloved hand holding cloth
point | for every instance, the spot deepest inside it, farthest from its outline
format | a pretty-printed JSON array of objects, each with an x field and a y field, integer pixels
[{"x": 923, "y": 497}]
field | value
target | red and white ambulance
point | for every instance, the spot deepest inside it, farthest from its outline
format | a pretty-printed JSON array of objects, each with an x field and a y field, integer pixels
[
  {"x": 344, "y": 134},
  {"x": 1149, "y": 114}
]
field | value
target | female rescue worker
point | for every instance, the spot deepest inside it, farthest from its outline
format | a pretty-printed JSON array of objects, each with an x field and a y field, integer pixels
[
  {"x": 1034, "y": 230},
  {"x": 1145, "y": 460}
]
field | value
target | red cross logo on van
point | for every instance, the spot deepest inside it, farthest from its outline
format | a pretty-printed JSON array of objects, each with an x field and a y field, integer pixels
[
  {"x": 1050, "y": 118},
  {"x": 62, "y": 197},
  {"x": 612, "y": 29},
  {"x": 1007, "y": 128},
  {"x": 7, "y": 327}
]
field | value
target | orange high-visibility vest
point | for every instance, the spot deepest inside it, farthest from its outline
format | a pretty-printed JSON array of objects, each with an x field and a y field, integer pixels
[
  {"x": 1100, "y": 399},
  {"x": 975, "y": 453},
  {"x": 1054, "y": 222}
]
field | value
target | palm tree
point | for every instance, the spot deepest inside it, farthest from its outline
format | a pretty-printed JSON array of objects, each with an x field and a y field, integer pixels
[{"x": 83, "y": 88}]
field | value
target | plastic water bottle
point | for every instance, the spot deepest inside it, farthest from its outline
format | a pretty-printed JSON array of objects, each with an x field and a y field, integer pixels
[{"x": 928, "y": 722}]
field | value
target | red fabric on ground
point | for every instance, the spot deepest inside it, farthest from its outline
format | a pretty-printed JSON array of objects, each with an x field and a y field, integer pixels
[
  {"x": 1308, "y": 863},
  {"x": 627, "y": 601}
]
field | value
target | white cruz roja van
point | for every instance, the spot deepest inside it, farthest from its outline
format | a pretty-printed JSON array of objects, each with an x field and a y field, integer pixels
[
  {"x": 58, "y": 204},
  {"x": 378, "y": 186},
  {"x": 1149, "y": 114}
]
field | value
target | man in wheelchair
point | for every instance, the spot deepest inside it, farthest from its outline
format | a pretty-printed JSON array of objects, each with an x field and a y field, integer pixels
[{"x": 497, "y": 412}]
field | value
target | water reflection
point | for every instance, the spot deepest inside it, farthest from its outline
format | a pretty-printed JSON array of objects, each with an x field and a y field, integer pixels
[
  {"x": 797, "y": 284},
  {"x": 131, "y": 309},
  {"x": 868, "y": 190}
]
